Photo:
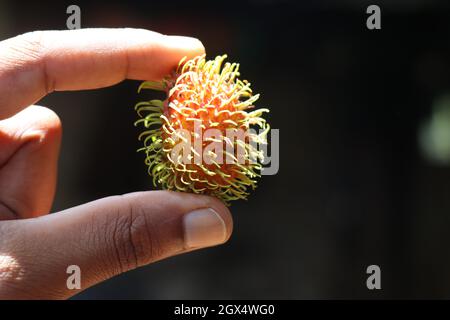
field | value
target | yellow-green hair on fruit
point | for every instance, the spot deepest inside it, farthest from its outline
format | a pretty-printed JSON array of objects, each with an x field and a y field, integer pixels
[{"x": 205, "y": 95}]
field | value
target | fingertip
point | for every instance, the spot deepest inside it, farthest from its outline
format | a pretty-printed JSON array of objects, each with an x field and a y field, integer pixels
[
  {"x": 224, "y": 213},
  {"x": 187, "y": 206},
  {"x": 188, "y": 46},
  {"x": 190, "y": 202}
]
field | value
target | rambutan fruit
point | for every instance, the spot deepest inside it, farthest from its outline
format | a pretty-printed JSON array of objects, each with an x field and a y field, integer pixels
[{"x": 202, "y": 138}]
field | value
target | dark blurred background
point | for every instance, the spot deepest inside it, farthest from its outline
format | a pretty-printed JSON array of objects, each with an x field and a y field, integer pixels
[{"x": 364, "y": 119}]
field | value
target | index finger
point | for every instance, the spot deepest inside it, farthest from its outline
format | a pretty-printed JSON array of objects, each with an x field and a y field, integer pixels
[{"x": 37, "y": 63}]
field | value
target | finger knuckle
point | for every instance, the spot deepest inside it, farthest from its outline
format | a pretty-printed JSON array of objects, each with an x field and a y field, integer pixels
[
  {"x": 28, "y": 45},
  {"x": 29, "y": 51},
  {"x": 134, "y": 244},
  {"x": 51, "y": 121},
  {"x": 46, "y": 125}
]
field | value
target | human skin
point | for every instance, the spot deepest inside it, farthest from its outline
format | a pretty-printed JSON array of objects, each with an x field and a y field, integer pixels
[{"x": 108, "y": 236}]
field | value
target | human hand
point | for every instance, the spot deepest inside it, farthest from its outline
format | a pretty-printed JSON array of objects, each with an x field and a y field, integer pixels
[{"x": 104, "y": 237}]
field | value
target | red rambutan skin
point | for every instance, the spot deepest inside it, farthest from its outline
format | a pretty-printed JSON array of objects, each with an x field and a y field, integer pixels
[{"x": 203, "y": 97}]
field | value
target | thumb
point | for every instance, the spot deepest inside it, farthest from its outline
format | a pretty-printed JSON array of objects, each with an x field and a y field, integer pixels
[{"x": 105, "y": 238}]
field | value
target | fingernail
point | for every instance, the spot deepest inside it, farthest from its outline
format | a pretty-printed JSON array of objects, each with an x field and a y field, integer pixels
[{"x": 203, "y": 228}]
